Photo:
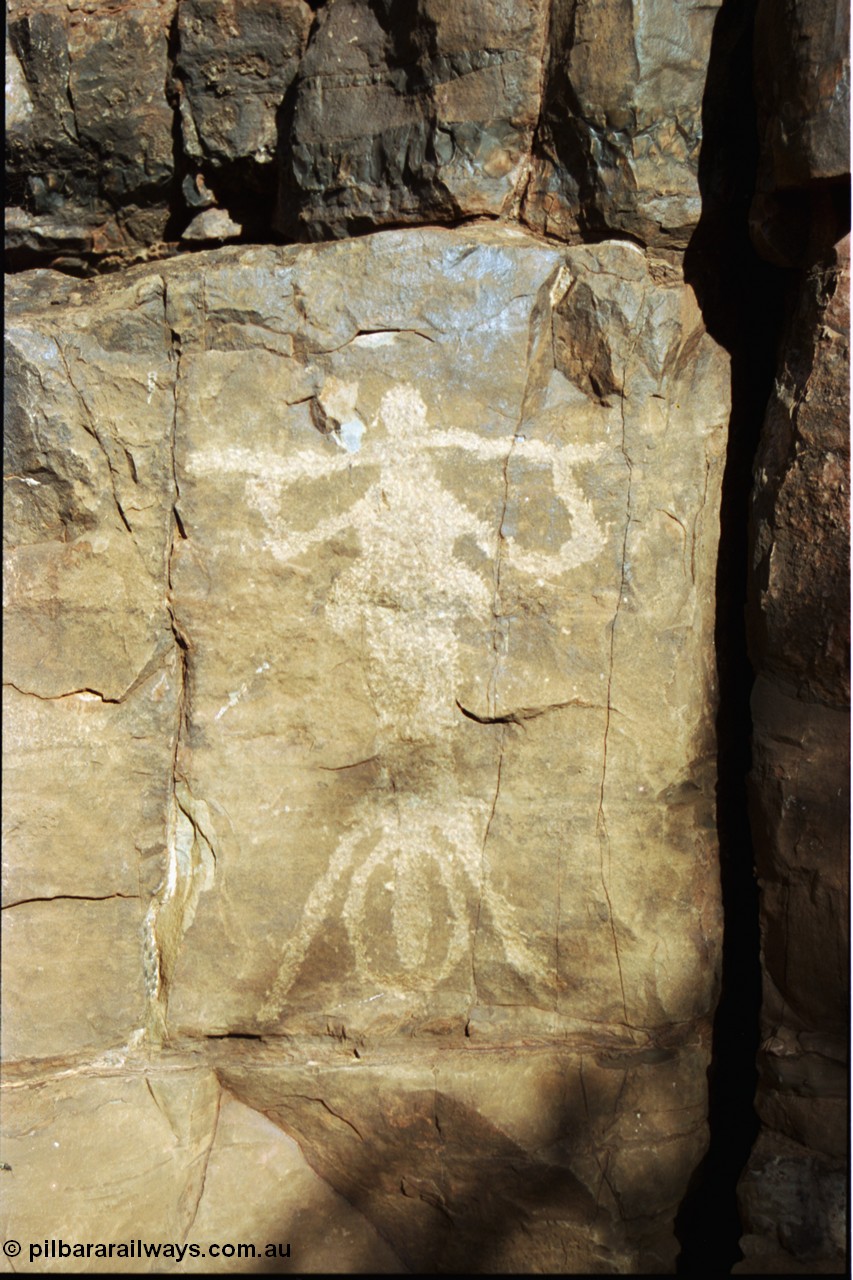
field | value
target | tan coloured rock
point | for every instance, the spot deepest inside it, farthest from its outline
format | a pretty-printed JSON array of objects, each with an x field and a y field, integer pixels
[
  {"x": 212, "y": 225},
  {"x": 532, "y": 1160},
  {"x": 409, "y": 710},
  {"x": 154, "y": 1164},
  {"x": 89, "y": 658},
  {"x": 456, "y": 701}
]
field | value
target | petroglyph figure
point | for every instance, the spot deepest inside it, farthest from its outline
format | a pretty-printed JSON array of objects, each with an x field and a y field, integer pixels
[{"x": 400, "y": 601}]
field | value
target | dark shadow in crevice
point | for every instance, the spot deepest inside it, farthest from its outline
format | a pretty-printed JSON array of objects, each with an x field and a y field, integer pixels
[{"x": 743, "y": 301}]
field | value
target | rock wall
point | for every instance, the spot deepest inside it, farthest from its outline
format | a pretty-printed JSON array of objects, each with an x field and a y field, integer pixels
[
  {"x": 359, "y": 640},
  {"x": 794, "y": 1191},
  {"x": 209, "y": 120},
  {"x": 407, "y": 738}
]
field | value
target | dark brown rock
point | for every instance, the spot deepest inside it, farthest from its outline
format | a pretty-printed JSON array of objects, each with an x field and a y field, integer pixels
[
  {"x": 89, "y": 140},
  {"x": 617, "y": 150},
  {"x": 235, "y": 62},
  {"x": 800, "y": 556},
  {"x": 802, "y": 76},
  {"x": 411, "y": 112},
  {"x": 792, "y": 1193}
]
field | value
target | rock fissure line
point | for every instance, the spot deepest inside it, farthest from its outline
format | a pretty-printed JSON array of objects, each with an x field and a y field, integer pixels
[
  {"x": 154, "y": 665},
  {"x": 70, "y": 897},
  {"x": 601, "y": 821},
  {"x": 206, "y": 1165},
  {"x": 515, "y": 200},
  {"x": 173, "y": 903},
  {"x": 486, "y": 832},
  {"x": 519, "y": 714},
  {"x": 491, "y": 693},
  {"x": 91, "y": 429},
  {"x": 307, "y": 1097}
]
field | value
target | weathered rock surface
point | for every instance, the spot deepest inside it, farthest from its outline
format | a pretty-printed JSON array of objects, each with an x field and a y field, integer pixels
[
  {"x": 412, "y": 113},
  {"x": 234, "y": 65},
  {"x": 359, "y": 678},
  {"x": 621, "y": 127},
  {"x": 586, "y": 118},
  {"x": 590, "y": 114},
  {"x": 801, "y": 205},
  {"x": 89, "y": 150},
  {"x": 793, "y": 1193},
  {"x": 391, "y": 746},
  {"x": 161, "y": 1153}
]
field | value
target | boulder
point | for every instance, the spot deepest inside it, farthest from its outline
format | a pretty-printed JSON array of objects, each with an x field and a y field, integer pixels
[
  {"x": 234, "y": 64},
  {"x": 411, "y": 112},
  {"x": 368, "y": 636},
  {"x": 89, "y": 150},
  {"x": 801, "y": 205},
  {"x": 617, "y": 149}
]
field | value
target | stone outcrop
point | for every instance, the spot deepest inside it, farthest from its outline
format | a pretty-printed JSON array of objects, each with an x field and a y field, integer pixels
[
  {"x": 89, "y": 151},
  {"x": 405, "y": 717},
  {"x": 251, "y": 119},
  {"x": 421, "y": 112},
  {"x": 621, "y": 126},
  {"x": 793, "y": 1193},
  {"x": 360, "y": 695},
  {"x": 235, "y": 62},
  {"x": 801, "y": 205}
]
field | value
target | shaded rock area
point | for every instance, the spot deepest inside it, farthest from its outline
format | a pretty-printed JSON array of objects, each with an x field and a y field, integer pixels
[
  {"x": 378, "y": 880},
  {"x": 314, "y": 121},
  {"x": 793, "y": 1193}
]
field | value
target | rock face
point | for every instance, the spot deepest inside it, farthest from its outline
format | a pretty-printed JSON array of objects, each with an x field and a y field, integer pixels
[
  {"x": 405, "y": 717},
  {"x": 361, "y": 813},
  {"x": 234, "y": 65},
  {"x": 411, "y": 113},
  {"x": 793, "y": 1193},
  {"x": 801, "y": 206},
  {"x": 621, "y": 125},
  {"x": 89, "y": 130},
  {"x": 577, "y": 117}
]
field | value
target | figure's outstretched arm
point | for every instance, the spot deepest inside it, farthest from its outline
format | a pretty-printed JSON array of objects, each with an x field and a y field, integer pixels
[{"x": 288, "y": 544}]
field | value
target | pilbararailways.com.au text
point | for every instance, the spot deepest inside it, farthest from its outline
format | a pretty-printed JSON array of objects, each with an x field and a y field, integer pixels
[{"x": 47, "y": 1249}]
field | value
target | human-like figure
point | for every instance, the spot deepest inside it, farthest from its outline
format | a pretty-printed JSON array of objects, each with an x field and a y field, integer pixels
[{"x": 403, "y": 596}]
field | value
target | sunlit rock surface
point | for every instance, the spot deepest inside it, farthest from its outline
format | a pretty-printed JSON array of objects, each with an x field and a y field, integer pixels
[{"x": 361, "y": 606}]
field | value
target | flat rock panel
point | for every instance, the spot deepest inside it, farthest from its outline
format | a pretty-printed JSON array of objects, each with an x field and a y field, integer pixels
[{"x": 404, "y": 700}]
